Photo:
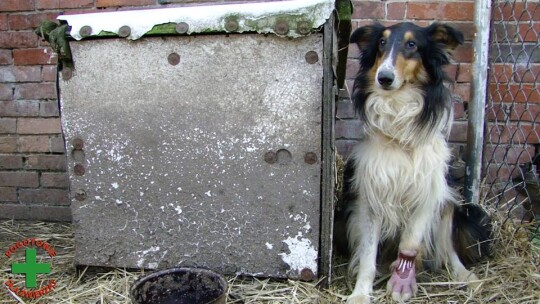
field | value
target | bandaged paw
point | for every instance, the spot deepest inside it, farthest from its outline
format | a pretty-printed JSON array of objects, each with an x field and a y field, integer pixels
[{"x": 402, "y": 283}]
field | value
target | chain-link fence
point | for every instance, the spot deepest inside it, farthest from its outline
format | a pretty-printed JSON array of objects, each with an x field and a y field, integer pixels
[{"x": 512, "y": 135}]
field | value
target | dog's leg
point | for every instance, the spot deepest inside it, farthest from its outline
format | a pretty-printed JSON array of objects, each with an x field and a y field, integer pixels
[
  {"x": 402, "y": 283},
  {"x": 364, "y": 231},
  {"x": 460, "y": 272},
  {"x": 446, "y": 251}
]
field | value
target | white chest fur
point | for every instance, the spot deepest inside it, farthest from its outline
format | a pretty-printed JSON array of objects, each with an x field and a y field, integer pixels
[{"x": 400, "y": 168}]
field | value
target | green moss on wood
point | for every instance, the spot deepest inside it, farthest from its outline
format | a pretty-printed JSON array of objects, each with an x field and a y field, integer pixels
[
  {"x": 344, "y": 10},
  {"x": 163, "y": 29}
]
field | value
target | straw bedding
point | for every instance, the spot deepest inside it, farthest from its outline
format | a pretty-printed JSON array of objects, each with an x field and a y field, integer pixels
[{"x": 511, "y": 276}]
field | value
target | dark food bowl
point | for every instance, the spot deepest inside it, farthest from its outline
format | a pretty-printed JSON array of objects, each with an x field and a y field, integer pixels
[{"x": 180, "y": 286}]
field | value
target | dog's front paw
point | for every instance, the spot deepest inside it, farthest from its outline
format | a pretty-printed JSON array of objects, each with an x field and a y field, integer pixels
[
  {"x": 402, "y": 283},
  {"x": 358, "y": 299}
]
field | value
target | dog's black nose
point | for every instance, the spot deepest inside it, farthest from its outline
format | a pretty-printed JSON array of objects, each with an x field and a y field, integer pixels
[{"x": 385, "y": 78}]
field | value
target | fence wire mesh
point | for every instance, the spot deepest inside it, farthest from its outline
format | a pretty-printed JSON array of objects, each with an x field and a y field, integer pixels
[{"x": 512, "y": 137}]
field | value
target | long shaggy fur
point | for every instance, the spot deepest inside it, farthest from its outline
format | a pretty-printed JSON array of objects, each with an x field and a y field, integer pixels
[{"x": 394, "y": 185}]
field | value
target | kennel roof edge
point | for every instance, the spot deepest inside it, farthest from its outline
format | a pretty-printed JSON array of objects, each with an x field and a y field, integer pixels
[{"x": 293, "y": 18}]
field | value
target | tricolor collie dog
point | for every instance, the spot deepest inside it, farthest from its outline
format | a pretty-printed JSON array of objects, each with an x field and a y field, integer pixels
[{"x": 397, "y": 203}]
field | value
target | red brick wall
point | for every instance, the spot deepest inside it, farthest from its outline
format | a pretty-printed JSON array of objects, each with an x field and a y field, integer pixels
[
  {"x": 513, "y": 110},
  {"x": 33, "y": 181}
]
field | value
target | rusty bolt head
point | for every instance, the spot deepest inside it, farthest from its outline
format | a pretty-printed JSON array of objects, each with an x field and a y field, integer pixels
[
  {"x": 173, "y": 58},
  {"x": 85, "y": 31},
  {"x": 310, "y": 158},
  {"x": 281, "y": 27},
  {"x": 312, "y": 57},
  {"x": 79, "y": 170},
  {"x": 80, "y": 195},
  {"x": 270, "y": 157},
  {"x": 124, "y": 31},
  {"x": 307, "y": 275},
  {"x": 303, "y": 27},
  {"x": 67, "y": 73},
  {"x": 182, "y": 28},
  {"x": 231, "y": 25},
  {"x": 78, "y": 143}
]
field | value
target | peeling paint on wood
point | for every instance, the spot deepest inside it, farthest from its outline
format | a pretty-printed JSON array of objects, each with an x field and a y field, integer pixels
[{"x": 249, "y": 17}]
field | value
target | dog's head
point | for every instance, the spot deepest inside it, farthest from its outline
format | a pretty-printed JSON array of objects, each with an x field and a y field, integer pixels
[{"x": 405, "y": 53}]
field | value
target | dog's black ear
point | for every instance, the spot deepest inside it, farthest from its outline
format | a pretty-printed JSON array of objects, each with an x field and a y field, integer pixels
[
  {"x": 365, "y": 35},
  {"x": 445, "y": 35}
]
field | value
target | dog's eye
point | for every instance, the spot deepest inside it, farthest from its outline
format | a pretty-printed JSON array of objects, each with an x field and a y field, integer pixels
[
  {"x": 382, "y": 42},
  {"x": 411, "y": 44}
]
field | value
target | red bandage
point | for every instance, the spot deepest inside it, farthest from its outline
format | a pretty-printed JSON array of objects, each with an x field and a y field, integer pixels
[{"x": 404, "y": 265}]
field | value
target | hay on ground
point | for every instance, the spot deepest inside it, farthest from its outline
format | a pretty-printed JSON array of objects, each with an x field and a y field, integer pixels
[{"x": 511, "y": 276}]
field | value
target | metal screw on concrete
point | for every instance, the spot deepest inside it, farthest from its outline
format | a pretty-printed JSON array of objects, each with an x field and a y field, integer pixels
[
  {"x": 307, "y": 275},
  {"x": 124, "y": 31},
  {"x": 182, "y": 28},
  {"x": 79, "y": 169},
  {"x": 310, "y": 158},
  {"x": 281, "y": 27},
  {"x": 270, "y": 157},
  {"x": 80, "y": 195},
  {"x": 173, "y": 59},
  {"x": 231, "y": 25},
  {"x": 78, "y": 143},
  {"x": 67, "y": 73},
  {"x": 312, "y": 57},
  {"x": 303, "y": 27},
  {"x": 85, "y": 31}
]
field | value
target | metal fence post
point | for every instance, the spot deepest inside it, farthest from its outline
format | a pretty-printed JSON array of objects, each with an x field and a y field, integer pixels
[{"x": 475, "y": 136}]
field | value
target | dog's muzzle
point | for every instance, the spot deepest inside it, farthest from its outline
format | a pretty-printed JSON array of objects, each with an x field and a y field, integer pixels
[{"x": 385, "y": 78}]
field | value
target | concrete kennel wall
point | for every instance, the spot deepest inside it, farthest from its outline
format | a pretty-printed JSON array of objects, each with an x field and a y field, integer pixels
[{"x": 33, "y": 179}]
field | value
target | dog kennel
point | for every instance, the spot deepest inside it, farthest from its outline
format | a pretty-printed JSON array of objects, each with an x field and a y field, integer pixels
[{"x": 203, "y": 136}]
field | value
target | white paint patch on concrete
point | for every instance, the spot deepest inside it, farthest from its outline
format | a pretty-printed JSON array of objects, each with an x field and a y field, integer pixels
[
  {"x": 307, "y": 227},
  {"x": 178, "y": 210},
  {"x": 302, "y": 254},
  {"x": 269, "y": 246},
  {"x": 142, "y": 255}
]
